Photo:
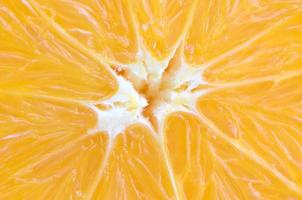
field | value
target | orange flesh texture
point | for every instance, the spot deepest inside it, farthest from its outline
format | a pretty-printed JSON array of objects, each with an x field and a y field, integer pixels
[
  {"x": 42, "y": 149},
  {"x": 119, "y": 29},
  {"x": 190, "y": 154},
  {"x": 266, "y": 121},
  {"x": 36, "y": 62},
  {"x": 136, "y": 168},
  {"x": 243, "y": 141},
  {"x": 208, "y": 167},
  {"x": 162, "y": 24},
  {"x": 103, "y": 26}
]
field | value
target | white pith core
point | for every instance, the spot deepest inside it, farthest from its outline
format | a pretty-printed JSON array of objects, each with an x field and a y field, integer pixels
[
  {"x": 127, "y": 105},
  {"x": 122, "y": 109}
]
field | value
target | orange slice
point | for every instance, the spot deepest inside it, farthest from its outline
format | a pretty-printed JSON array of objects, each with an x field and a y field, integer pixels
[{"x": 150, "y": 99}]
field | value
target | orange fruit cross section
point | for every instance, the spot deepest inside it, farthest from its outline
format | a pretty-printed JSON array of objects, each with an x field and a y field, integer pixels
[{"x": 150, "y": 99}]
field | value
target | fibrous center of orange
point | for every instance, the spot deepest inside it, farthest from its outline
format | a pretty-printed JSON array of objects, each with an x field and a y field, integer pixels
[{"x": 149, "y": 93}]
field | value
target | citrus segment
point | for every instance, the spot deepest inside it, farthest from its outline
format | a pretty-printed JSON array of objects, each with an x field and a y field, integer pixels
[
  {"x": 35, "y": 62},
  {"x": 221, "y": 170},
  {"x": 238, "y": 177},
  {"x": 68, "y": 173},
  {"x": 104, "y": 26},
  {"x": 36, "y": 117},
  {"x": 44, "y": 143},
  {"x": 162, "y": 24},
  {"x": 277, "y": 50},
  {"x": 135, "y": 168},
  {"x": 220, "y": 28},
  {"x": 263, "y": 117},
  {"x": 189, "y": 153},
  {"x": 208, "y": 167}
]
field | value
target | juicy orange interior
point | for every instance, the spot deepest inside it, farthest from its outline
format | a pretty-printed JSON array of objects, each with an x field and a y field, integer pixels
[{"x": 150, "y": 99}]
